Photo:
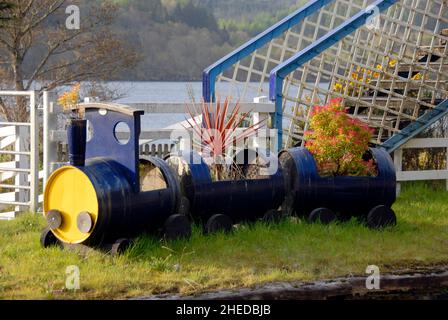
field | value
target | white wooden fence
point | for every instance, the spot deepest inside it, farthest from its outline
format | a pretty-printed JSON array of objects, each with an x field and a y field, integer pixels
[
  {"x": 20, "y": 144},
  {"x": 420, "y": 175},
  {"x": 19, "y": 178},
  {"x": 149, "y": 145}
]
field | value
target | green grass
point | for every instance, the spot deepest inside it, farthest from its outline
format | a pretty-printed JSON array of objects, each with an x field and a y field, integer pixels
[{"x": 255, "y": 254}]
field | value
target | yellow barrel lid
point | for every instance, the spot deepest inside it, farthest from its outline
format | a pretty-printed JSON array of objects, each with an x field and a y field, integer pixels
[{"x": 70, "y": 191}]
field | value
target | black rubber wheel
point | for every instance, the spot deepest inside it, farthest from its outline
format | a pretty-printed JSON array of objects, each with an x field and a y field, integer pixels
[
  {"x": 322, "y": 215},
  {"x": 184, "y": 208},
  {"x": 273, "y": 216},
  {"x": 48, "y": 239},
  {"x": 218, "y": 223},
  {"x": 177, "y": 227},
  {"x": 120, "y": 246},
  {"x": 381, "y": 217}
]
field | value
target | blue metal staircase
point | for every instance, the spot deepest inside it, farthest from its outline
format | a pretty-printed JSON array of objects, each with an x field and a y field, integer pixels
[
  {"x": 420, "y": 125},
  {"x": 279, "y": 73},
  {"x": 407, "y": 93},
  {"x": 210, "y": 74}
]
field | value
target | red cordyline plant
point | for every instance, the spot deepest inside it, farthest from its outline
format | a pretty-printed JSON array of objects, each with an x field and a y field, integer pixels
[
  {"x": 219, "y": 130},
  {"x": 339, "y": 142}
]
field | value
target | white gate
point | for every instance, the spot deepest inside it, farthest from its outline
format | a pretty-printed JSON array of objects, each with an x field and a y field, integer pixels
[{"x": 19, "y": 161}]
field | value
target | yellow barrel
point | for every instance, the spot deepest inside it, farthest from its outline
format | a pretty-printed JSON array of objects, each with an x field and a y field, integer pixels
[
  {"x": 96, "y": 204},
  {"x": 89, "y": 204},
  {"x": 70, "y": 191}
]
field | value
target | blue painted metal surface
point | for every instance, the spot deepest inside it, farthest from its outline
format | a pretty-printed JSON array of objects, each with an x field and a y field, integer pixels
[
  {"x": 241, "y": 200},
  {"x": 279, "y": 73},
  {"x": 104, "y": 143},
  {"x": 344, "y": 195},
  {"x": 421, "y": 124},
  {"x": 210, "y": 74}
]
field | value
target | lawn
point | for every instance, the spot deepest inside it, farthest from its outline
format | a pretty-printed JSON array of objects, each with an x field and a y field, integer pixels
[{"x": 290, "y": 250}]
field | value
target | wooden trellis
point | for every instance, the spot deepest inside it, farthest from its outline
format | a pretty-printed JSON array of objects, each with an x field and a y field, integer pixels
[
  {"x": 248, "y": 78},
  {"x": 389, "y": 75}
]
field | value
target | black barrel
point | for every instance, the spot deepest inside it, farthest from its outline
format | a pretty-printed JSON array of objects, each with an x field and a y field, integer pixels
[
  {"x": 241, "y": 200},
  {"x": 345, "y": 195},
  {"x": 114, "y": 210}
]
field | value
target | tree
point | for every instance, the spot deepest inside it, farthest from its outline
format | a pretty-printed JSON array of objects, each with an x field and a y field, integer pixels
[
  {"x": 195, "y": 16},
  {"x": 38, "y": 51}
]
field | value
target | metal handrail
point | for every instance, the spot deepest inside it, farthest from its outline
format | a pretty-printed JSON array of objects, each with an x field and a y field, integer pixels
[{"x": 421, "y": 124}]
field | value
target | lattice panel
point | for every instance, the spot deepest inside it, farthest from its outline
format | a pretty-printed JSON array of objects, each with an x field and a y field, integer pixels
[
  {"x": 387, "y": 76},
  {"x": 249, "y": 77}
]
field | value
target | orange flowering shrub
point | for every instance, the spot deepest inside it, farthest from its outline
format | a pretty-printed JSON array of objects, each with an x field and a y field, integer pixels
[
  {"x": 69, "y": 101},
  {"x": 339, "y": 142}
]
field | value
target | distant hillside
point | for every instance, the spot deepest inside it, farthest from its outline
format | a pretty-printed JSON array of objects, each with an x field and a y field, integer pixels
[
  {"x": 177, "y": 39},
  {"x": 234, "y": 9}
]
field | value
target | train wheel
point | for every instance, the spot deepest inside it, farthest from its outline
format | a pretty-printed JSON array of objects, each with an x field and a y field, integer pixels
[
  {"x": 217, "y": 223},
  {"x": 381, "y": 217},
  {"x": 177, "y": 227},
  {"x": 322, "y": 215},
  {"x": 120, "y": 246},
  {"x": 273, "y": 216},
  {"x": 48, "y": 239}
]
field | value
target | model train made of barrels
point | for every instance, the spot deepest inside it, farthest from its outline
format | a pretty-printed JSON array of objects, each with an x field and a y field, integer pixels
[{"x": 108, "y": 193}]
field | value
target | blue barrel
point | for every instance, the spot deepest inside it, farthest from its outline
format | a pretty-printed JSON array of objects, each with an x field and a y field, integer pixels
[
  {"x": 100, "y": 201},
  {"x": 100, "y": 196},
  {"x": 345, "y": 195},
  {"x": 240, "y": 200}
]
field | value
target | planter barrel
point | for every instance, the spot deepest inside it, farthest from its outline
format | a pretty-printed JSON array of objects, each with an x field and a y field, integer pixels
[
  {"x": 345, "y": 195},
  {"x": 239, "y": 200}
]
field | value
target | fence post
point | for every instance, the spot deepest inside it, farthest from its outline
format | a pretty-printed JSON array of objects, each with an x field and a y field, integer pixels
[
  {"x": 398, "y": 161},
  {"x": 257, "y": 117},
  {"x": 46, "y": 136},
  {"x": 50, "y": 147},
  {"x": 34, "y": 156}
]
